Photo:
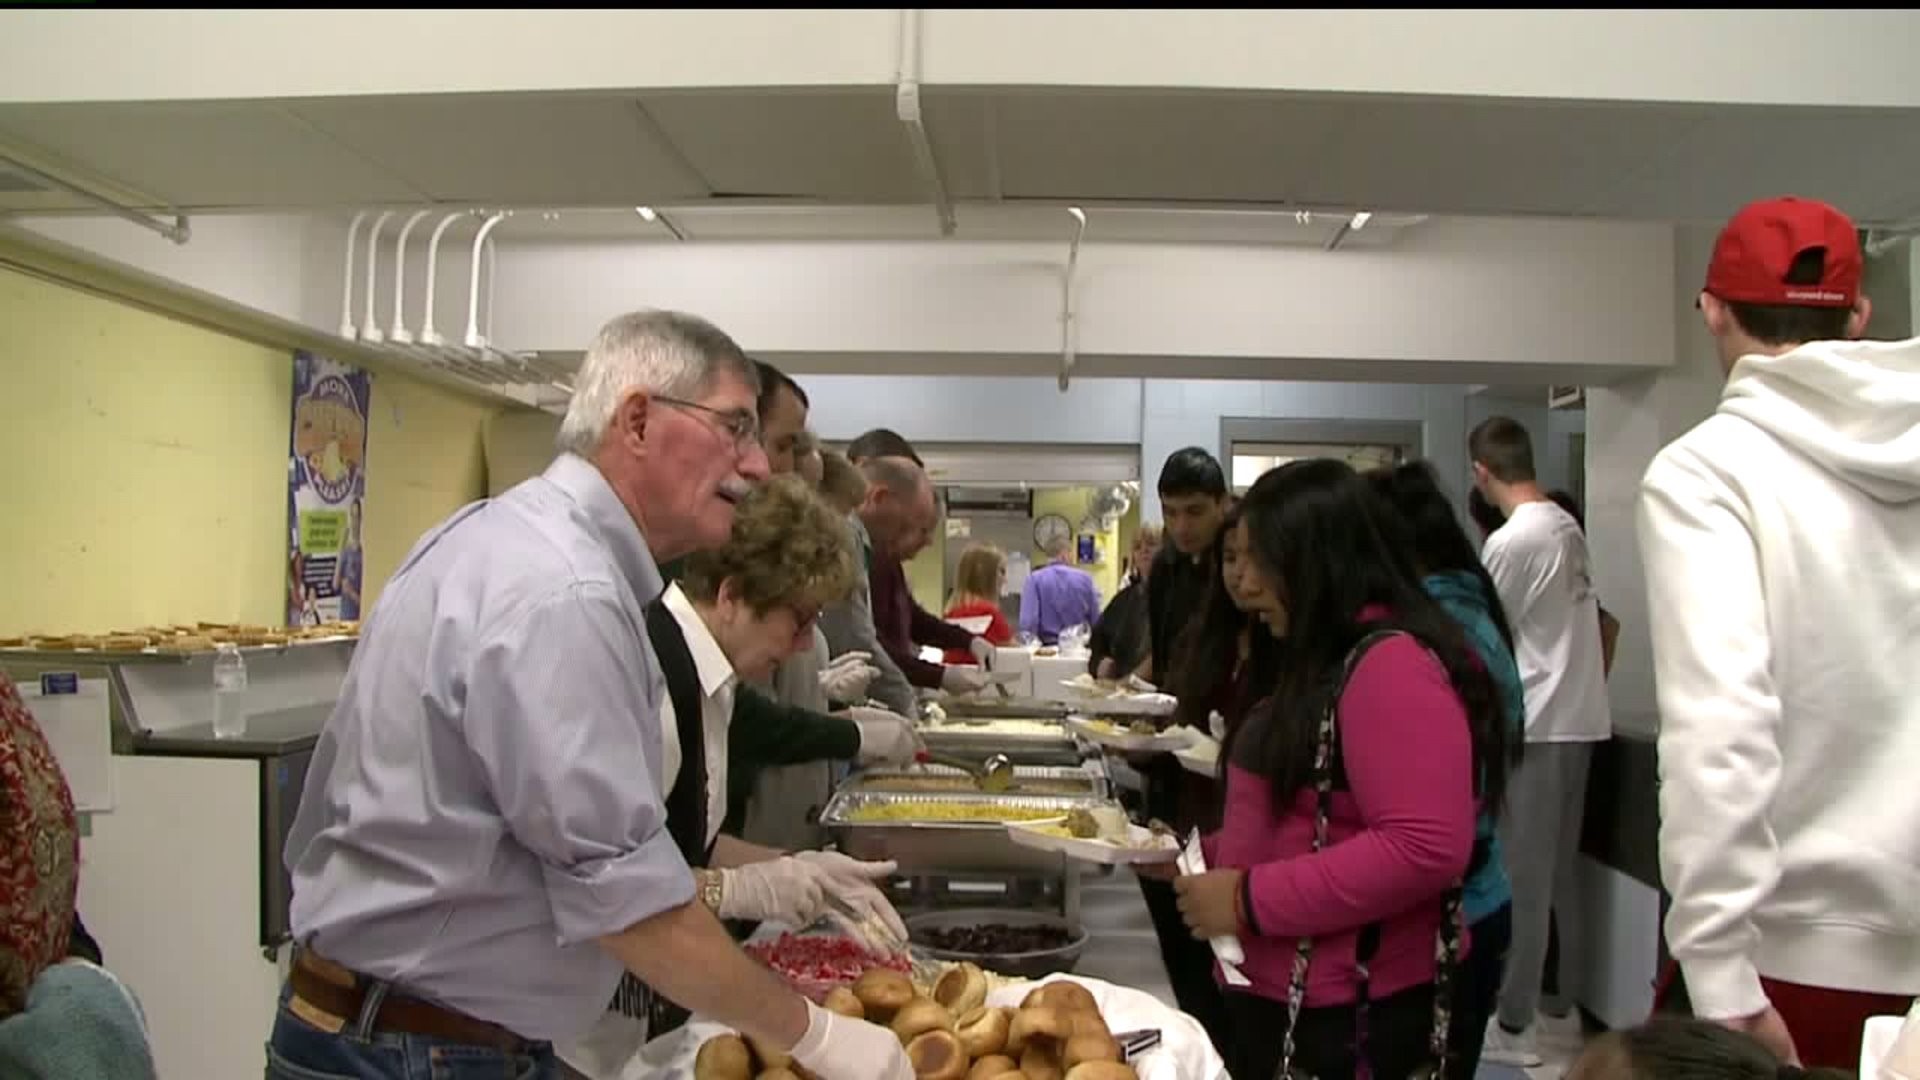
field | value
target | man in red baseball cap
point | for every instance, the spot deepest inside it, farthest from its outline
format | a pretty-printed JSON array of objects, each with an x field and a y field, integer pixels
[{"x": 1781, "y": 539}]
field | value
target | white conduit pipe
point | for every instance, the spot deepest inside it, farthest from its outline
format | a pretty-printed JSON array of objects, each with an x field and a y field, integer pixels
[
  {"x": 474, "y": 340},
  {"x": 493, "y": 281},
  {"x": 370, "y": 326},
  {"x": 428, "y": 336},
  {"x": 399, "y": 335},
  {"x": 346, "y": 286},
  {"x": 906, "y": 105},
  {"x": 1069, "y": 330}
]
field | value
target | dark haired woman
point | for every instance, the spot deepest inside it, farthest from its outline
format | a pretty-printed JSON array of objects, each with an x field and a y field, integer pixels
[
  {"x": 1454, "y": 576},
  {"x": 1219, "y": 663},
  {"x": 1350, "y": 804}
]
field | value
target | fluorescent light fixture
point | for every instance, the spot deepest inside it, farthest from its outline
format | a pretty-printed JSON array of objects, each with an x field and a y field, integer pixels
[
  {"x": 646, "y": 213},
  {"x": 1361, "y": 218}
]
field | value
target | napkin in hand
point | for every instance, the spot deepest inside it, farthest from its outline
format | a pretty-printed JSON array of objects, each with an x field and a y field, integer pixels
[{"x": 1226, "y": 949}]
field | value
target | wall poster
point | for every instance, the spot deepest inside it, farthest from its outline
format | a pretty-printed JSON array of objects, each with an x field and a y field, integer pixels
[{"x": 326, "y": 489}]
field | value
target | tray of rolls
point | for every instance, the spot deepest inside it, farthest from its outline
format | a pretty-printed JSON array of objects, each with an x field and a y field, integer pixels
[{"x": 173, "y": 641}]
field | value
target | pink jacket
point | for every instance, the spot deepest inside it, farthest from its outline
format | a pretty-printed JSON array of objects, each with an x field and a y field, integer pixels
[{"x": 1399, "y": 835}]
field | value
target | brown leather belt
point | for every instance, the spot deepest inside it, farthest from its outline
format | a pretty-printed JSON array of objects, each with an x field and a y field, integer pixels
[{"x": 338, "y": 991}]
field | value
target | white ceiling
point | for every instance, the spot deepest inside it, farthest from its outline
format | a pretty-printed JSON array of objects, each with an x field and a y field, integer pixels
[{"x": 999, "y": 151}]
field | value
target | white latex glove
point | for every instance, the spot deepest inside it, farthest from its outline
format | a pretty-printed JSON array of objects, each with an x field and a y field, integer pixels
[
  {"x": 781, "y": 890},
  {"x": 983, "y": 651},
  {"x": 885, "y": 738},
  {"x": 1217, "y": 726},
  {"x": 853, "y": 882},
  {"x": 842, "y": 1048},
  {"x": 963, "y": 680},
  {"x": 848, "y": 677}
]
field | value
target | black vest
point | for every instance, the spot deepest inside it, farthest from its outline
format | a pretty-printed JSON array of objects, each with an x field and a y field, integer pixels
[{"x": 686, "y": 802}]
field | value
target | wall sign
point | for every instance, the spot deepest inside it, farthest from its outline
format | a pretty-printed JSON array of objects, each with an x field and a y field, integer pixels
[{"x": 326, "y": 489}]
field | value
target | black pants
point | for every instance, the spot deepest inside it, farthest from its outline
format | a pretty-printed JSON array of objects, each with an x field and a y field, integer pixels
[
  {"x": 1189, "y": 963},
  {"x": 1325, "y": 1042},
  {"x": 1476, "y": 986}
]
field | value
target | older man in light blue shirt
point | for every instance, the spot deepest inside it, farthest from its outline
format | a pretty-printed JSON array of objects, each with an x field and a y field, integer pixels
[{"x": 482, "y": 846}]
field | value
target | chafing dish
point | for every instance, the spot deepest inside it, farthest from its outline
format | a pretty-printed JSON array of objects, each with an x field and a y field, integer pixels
[
  {"x": 1004, "y": 708},
  {"x": 927, "y": 846},
  {"x": 1027, "y": 780},
  {"x": 1027, "y": 740}
]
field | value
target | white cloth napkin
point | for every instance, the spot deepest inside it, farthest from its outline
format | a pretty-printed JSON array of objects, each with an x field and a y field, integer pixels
[{"x": 1227, "y": 948}]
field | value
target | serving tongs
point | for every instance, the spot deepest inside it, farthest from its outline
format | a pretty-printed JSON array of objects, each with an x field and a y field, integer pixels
[{"x": 992, "y": 776}]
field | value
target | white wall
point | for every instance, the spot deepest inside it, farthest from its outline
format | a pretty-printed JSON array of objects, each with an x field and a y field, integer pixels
[
  {"x": 976, "y": 409},
  {"x": 1452, "y": 300},
  {"x": 1627, "y": 424},
  {"x": 1182, "y": 413},
  {"x": 186, "y": 55}
]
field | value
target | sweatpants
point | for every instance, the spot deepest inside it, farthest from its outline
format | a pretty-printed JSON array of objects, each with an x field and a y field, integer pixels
[{"x": 1540, "y": 836}]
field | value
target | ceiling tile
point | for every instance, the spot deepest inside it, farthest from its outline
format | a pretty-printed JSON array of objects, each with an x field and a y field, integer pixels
[
  {"x": 220, "y": 154},
  {"x": 841, "y": 145},
  {"x": 553, "y": 150},
  {"x": 1167, "y": 146}
]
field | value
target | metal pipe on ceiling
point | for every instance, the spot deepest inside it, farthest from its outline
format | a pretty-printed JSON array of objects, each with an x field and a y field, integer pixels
[
  {"x": 346, "y": 286},
  {"x": 906, "y": 103},
  {"x": 1069, "y": 325},
  {"x": 370, "y": 327},
  {"x": 180, "y": 231},
  {"x": 400, "y": 335},
  {"x": 473, "y": 339}
]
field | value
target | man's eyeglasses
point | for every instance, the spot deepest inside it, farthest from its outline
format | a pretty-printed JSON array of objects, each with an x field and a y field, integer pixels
[{"x": 743, "y": 426}]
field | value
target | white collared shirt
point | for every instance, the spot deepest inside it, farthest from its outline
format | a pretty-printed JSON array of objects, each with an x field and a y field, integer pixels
[{"x": 717, "y": 684}]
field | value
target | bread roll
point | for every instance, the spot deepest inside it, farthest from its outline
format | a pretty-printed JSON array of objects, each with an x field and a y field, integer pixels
[
  {"x": 1102, "y": 1070},
  {"x": 1041, "y": 1061},
  {"x": 992, "y": 1065},
  {"x": 920, "y": 1016},
  {"x": 845, "y": 1002},
  {"x": 984, "y": 1031},
  {"x": 937, "y": 1055},
  {"x": 883, "y": 992},
  {"x": 962, "y": 989},
  {"x": 723, "y": 1057}
]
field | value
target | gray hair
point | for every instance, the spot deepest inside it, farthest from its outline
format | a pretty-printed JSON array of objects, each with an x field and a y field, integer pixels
[
  {"x": 898, "y": 475},
  {"x": 661, "y": 352}
]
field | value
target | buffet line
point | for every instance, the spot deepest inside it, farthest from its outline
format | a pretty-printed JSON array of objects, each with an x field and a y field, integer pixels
[{"x": 991, "y": 862}]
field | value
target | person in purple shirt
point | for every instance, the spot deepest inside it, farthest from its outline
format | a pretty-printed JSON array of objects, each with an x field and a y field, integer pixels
[{"x": 1058, "y": 596}]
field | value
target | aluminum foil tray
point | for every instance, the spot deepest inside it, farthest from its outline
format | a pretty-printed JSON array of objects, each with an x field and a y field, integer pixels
[
  {"x": 932, "y": 847},
  {"x": 1055, "y": 780}
]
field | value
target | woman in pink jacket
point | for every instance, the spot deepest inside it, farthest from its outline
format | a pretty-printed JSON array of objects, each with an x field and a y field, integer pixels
[{"x": 1350, "y": 799}]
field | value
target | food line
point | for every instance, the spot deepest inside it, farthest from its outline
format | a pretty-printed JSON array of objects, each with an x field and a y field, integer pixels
[{"x": 990, "y": 896}]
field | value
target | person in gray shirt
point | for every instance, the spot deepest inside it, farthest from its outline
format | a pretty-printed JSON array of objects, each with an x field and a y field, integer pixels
[{"x": 482, "y": 847}]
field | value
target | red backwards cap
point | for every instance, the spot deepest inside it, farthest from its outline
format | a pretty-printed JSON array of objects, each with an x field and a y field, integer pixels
[{"x": 1756, "y": 249}]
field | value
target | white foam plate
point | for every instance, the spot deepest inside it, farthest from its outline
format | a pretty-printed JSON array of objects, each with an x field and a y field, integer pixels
[
  {"x": 1142, "y": 845},
  {"x": 1115, "y": 737}
]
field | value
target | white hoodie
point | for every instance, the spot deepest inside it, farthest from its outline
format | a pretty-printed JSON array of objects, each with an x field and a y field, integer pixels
[{"x": 1781, "y": 539}]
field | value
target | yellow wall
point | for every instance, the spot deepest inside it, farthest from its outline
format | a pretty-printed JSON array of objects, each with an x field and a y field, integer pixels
[
  {"x": 1072, "y": 503},
  {"x": 927, "y": 571},
  {"x": 143, "y": 467}
]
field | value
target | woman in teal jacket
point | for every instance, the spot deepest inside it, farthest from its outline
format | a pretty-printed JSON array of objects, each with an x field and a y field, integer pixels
[{"x": 1455, "y": 577}]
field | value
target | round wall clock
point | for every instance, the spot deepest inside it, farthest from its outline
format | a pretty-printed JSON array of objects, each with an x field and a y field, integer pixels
[{"x": 1051, "y": 530}]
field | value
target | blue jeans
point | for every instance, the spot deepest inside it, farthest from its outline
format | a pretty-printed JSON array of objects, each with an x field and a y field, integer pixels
[{"x": 300, "y": 1051}]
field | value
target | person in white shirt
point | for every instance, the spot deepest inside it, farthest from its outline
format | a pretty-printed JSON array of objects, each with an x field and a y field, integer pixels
[
  {"x": 1781, "y": 540},
  {"x": 1539, "y": 564}
]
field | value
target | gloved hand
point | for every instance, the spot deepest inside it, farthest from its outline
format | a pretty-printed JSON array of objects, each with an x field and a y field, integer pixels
[
  {"x": 847, "y": 677},
  {"x": 853, "y": 882},
  {"x": 983, "y": 651},
  {"x": 842, "y": 1048},
  {"x": 963, "y": 680},
  {"x": 885, "y": 738},
  {"x": 782, "y": 890}
]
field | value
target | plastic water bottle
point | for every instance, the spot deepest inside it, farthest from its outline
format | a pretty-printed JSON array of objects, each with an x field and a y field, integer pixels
[{"x": 229, "y": 686}]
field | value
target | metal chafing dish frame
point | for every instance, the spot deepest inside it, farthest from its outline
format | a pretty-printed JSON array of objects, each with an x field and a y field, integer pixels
[
  {"x": 875, "y": 781},
  {"x": 1058, "y": 746}
]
